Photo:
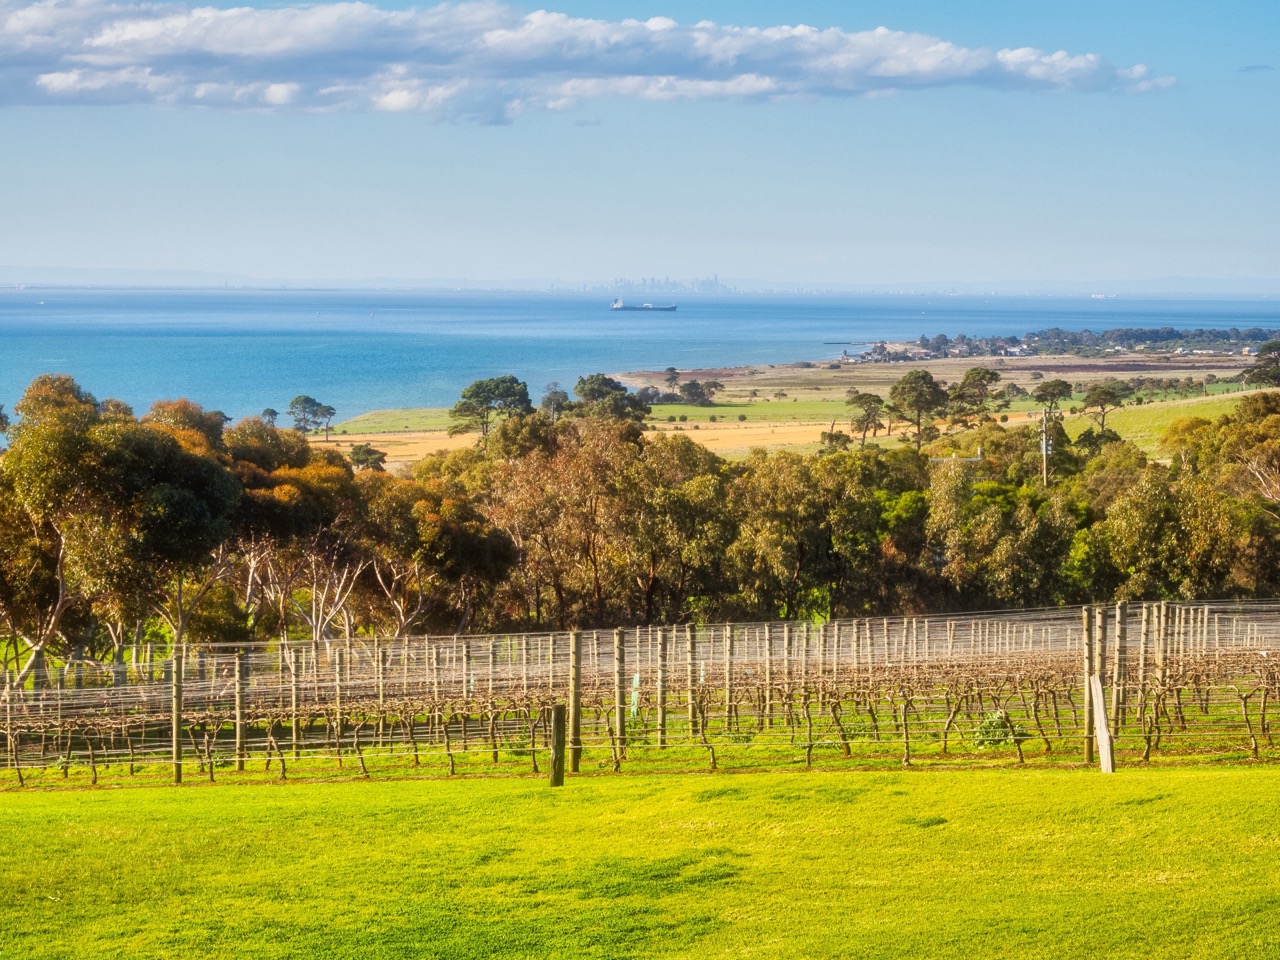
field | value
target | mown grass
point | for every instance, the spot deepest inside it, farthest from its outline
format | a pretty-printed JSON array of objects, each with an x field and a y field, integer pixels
[{"x": 1007, "y": 864}]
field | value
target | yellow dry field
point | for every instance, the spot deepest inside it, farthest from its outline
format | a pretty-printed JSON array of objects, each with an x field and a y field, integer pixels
[
  {"x": 410, "y": 446},
  {"x": 407, "y": 446},
  {"x": 730, "y": 439}
]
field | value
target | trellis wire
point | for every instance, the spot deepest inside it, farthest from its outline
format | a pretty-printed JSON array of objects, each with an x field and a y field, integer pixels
[{"x": 1187, "y": 677}]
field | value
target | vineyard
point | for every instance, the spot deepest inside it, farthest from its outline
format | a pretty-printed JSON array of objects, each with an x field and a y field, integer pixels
[{"x": 1168, "y": 681}]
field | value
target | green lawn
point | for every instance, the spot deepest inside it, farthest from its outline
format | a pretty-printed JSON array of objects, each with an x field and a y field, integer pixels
[{"x": 914, "y": 864}]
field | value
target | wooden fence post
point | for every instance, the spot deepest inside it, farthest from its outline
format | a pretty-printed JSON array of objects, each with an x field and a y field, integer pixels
[
  {"x": 176, "y": 728},
  {"x": 575, "y": 701},
  {"x": 1086, "y": 628},
  {"x": 1100, "y": 644},
  {"x": 786, "y": 653},
  {"x": 551, "y": 663},
  {"x": 768, "y": 675},
  {"x": 239, "y": 707},
  {"x": 728, "y": 679},
  {"x": 1143, "y": 636},
  {"x": 557, "y": 745},
  {"x": 663, "y": 637},
  {"x": 1119, "y": 697},
  {"x": 337, "y": 702},
  {"x": 619, "y": 691},
  {"x": 295, "y": 725},
  {"x": 1162, "y": 642},
  {"x": 692, "y": 648}
]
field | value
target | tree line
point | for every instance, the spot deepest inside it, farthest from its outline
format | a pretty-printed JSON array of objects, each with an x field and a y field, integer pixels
[{"x": 176, "y": 526}]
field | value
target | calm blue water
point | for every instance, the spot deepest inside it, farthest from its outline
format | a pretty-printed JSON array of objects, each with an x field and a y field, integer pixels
[{"x": 241, "y": 351}]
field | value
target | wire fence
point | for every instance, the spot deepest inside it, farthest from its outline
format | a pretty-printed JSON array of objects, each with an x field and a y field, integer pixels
[{"x": 1179, "y": 681}]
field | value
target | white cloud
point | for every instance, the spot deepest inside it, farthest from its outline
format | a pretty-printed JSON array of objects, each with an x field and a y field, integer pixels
[{"x": 482, "y": 60}]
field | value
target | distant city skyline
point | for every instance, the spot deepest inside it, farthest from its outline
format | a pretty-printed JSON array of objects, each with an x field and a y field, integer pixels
[{"x": 812, "y": 145}]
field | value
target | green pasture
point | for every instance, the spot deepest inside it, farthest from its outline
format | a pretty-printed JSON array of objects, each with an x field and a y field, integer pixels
[
  {"x": 1144, "y": 425},
  {"x": 1015, "y": 863},
  {"x": 785, "y": 410},
  {"x": 383, "y": 421}
]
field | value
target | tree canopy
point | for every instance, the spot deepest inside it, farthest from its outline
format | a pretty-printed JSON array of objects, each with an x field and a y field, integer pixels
[
  {"x": 486, "y": 401},
  {"x": 918, "y": 397},
  {"x": 177, "y": 526}
]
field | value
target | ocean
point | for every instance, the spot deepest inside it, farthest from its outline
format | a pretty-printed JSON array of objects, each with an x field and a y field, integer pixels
[{"x": 241, "y": 351}]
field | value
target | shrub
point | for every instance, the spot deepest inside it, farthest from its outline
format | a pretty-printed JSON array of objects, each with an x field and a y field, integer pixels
[
  {"x": 713, "y": 418},
  {"x": 742, "y": 417},
  {"x": 684, "y": 417},
  {"x": 998, "y": 730}
]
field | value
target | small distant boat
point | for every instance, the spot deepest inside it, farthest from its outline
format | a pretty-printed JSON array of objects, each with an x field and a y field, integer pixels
[{"x": 619, "y": 305}]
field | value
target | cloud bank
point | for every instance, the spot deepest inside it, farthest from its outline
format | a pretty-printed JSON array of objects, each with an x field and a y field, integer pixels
[{"x": 480, "y": 60}]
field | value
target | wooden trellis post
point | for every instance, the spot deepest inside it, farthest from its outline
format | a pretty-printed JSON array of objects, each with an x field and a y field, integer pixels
[
  {"x": 176, "y": 726},
  {"x": 663, "y": 637},
  {"x": 1086, "y": 632},
  {"x": 1119, "y": 678},
  {"x": 337, "y": 703},
  {"x": 728, "y": 678},
  {"x": 619, "y": 691},
  {"x": 575, "y": 701},
  {"x": 295, "y": 725},
  {"x": 557, "y": 744},
  {"x": 767, "y": 644},
  {"x": 239, "y": 708},
  {"x": 691, "y": 644}
]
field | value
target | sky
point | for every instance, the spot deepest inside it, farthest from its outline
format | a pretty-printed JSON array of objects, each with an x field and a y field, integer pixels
[{"x": 1015, "y": 143}]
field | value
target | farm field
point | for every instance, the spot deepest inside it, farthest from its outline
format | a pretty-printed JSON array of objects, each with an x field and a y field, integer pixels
[
  {"x": 1145, "y": 425},
  {"x": 1011, "y": 863},
  {"x": 796, "y": 424}
]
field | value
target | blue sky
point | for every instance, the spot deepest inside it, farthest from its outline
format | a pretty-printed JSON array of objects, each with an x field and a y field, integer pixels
[{"x": 493, "y": 143}]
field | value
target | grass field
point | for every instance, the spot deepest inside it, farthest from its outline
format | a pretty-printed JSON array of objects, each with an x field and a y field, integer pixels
[
  {"x": 1145, "y": 425},
  {"x": 1006, "y": 864},
  {"x": 385, "y": 421},
  {"x": 794, "y": 422}
]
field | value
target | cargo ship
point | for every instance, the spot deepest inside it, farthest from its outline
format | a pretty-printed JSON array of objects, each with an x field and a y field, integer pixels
[{"x": 619, "y": 305}]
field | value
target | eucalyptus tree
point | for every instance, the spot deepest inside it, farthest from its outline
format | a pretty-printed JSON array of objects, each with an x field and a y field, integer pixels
[
  {"x": 603, "y": 397},
  {"x": 365, "y": 456},
  {"x": 430, "y": 551},
  {"x": 869, "y": 406},
  {"x": 308, "y": 413},
  {"x": 484, "y": 402},
  {"x": 976, "y": 395},
  {"x": 561, "y": 509},
  {"x": 673, "y": 528},
  {"x": 918, "y": 398},
  {"x": 1104, "y": 397},
  {"x": 107, "y": 508},
  {"x": 782, "y": 545},
  {"x": 554, "y": 401}
]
